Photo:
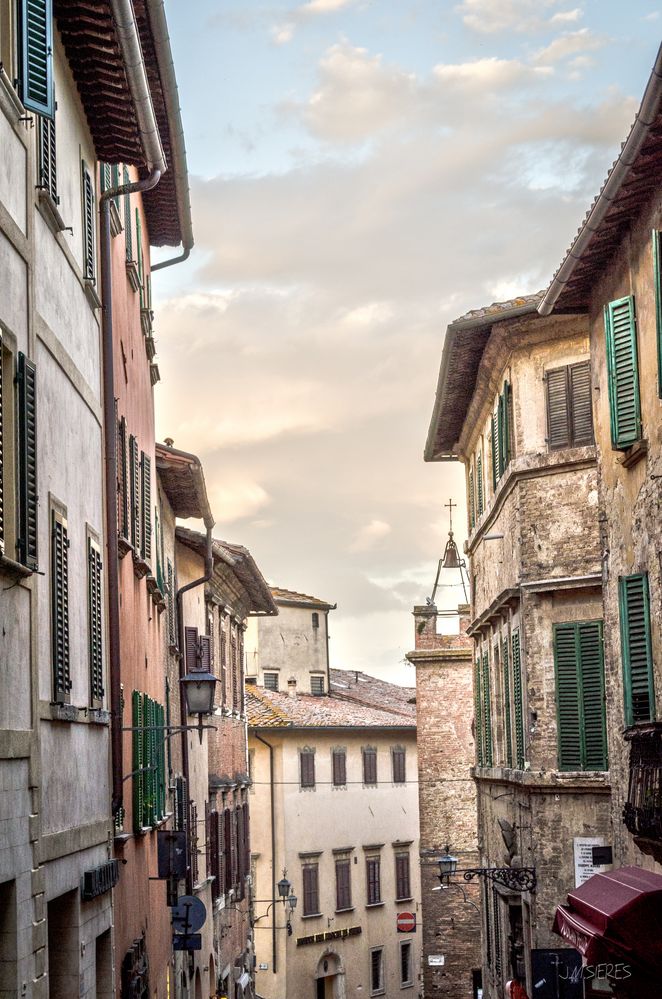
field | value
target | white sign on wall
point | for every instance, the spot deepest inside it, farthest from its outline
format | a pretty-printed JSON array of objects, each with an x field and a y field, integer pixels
[
  {"x": 584, "y": 866},
  {"x": 435, "y": 960}
]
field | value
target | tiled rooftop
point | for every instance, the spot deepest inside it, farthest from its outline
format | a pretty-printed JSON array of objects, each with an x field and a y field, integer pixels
[{"x": 281, "y": 595}]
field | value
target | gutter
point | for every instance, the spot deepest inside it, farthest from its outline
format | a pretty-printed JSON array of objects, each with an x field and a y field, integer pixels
[
  {"x": 650, "y": 108},
  {"x": 274, "y": 952},
  {"x": 159, "y": 26},
  {"x": 127, "y": 31}
]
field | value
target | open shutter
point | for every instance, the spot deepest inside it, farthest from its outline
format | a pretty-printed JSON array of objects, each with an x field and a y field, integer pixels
[
  {"x": 47, "y": 157},
  {"x": 27, "y": 432},
  {"x": 478, "y": 714},
  {"x": 60, "y": 607},
  {"x": 137, "y": 721},
  {"x": 567, "y": 697},
  {"x": 472, "y": 501},
  {"x": 518, "y": 701},
  {"x": 579, "y": 377},
  {"x": 625, "y": 407},
  {"x": 508, "y": 735},
  {"x": 123, "y": 491},
  {"x": 227, "y": 849},
  {"x": 558, "y": 411},
  {"x": 657, "y": 277},
  {"x": 139, "y": 253},
  {"x": 214, "y": 855},
  {"x": 94, "y": 622},
  {"x": 134, "y": 476},
  {"x": 193, "y": 841},
  {"x": 2, "y": 460},
  {"x": 89, "y": 261},
  {"x": 636, "y": 648},
  {"x": 593, "y": 695},
  {"x": 171, "y": 606},
  {"x": 204, "y": 652},
  {"x": 494, "y": 437},
  {"x": 145, "y": 506},
  {"x": 128, "y": 231},
  {"x": 191, "y": 649},
  {"x": 479, "y": 476},
  {"x": 36, "y": 56},
  {"x": 505, "y": 427},
  {"x": 487, "y": 712}
]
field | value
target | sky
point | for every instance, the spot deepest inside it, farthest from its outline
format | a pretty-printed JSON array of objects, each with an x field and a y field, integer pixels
[{"x": 362, "y": 173}]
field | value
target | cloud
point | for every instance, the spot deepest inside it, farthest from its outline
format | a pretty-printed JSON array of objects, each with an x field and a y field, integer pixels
[
  {"x": 570, "y": 43},
  {"x": 369, "y": 535},
  {"x": 492, "y": 16},
  {"x": 488, "y": 74},
  {"x": 232, "y": 500},
  {"x": 324, "y": 6},
  {"x": 566, "y": 16},
  {"x": 282, "y": 33}
]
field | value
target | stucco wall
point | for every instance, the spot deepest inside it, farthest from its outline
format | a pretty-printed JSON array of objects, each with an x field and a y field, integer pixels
[{"x": 289, "y": 643}]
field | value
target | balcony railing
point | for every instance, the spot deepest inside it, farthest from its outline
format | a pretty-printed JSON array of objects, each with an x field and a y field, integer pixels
[{"x": 642, "y": 813}]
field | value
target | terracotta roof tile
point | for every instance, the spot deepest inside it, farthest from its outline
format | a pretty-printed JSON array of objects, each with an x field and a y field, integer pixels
[{"x": 283, "y": 596}]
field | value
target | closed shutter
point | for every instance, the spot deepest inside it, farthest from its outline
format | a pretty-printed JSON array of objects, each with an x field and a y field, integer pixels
[
  {"x": 558, "y": 412},
  {"x": 568, "y": 697},
  {"x": 227, "y": 849},
  {"x": 478, "y": 714},
  {"x": 486, "y": 711},
  {"x": 205, "y": 650},
  {"x": 47, "y": 157},
  {"x": 191, "y": 649},
  {"x": 233, "y": 847},
  {"x": 193, "y": 841},
  {"x": 636, "y": 648},
  {"x": 214, "y": 855},
  {"x": 181, "y": 803},
  {"x": 369, "y": 766},
  {"x": 569, "y": 412},
  {"x": 145, "y": 506},
  {"x": 139, "y": 254},
  {"x": 60, "y": 607},
  {"x": 399, "y": 766},
  {"x": 593, "y": 695},
  {"x": 487, "y": 907},
  {"x": 496, "y": 904},
  {"x": 402, "y": 880},
  {"x": 123, "y": 490},
  {"x": 134, "y": 482},
  {"x": 89, "y": 262},
  {"x": 171, "y": 606},
  {"x": 224, "y": 661},
  {"x": 339, "y": 768},
  {"x": 508, "y": 735},
  {"x": 310, "y": 890},
  {"x": 472, "y": 501},
  {"x": 479, "y": 476},
  {"x": 625, "y": 407},
  {"x": 374, "y": 880},
  {"x": 343, "y": 885},
  {"x": 27, "y": 434},
  {"x": 657, "y": 278},
  {"x": 137, "y": 759},
  {"x": 36, "y": 56},
  {"x": 518, "y": 701},
  {"x": 128, "y": 231},
  {"x": 580, "y": 404},
  {"x": 2, "y": 454},
  {"x": 307, "y": 760},
  {"x": 505, "y": 427},
  {"x": 94, "y": 600},
  {"x": 494, "y": 436}
]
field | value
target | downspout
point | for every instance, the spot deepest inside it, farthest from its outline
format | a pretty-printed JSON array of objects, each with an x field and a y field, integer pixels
[
  {"x": 127, "y": 33},
  {"x": 209, "y": 569},
  {"x": 269, "y": 746}
]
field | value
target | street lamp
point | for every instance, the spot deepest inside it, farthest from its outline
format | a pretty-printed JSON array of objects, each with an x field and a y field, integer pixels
[
  {"x": 519, "y": 879},
  {"x": 283, "y": 888},
  {"x": 447, "y": 867}
]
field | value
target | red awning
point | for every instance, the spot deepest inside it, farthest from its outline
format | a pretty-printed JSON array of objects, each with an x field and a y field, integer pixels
[{"x": 615, "y": 916}]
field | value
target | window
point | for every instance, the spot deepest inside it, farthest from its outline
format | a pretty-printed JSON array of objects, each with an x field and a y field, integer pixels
[
  {"x": 271, "y": 681},
  {"x": 634, "y": 606},
  {"x": 197, "y": 651},
  {"x": 311, "y": 894},
  {"x": 479, "y": 484},
  {"x": 507, "y": 722},
  {"x": 317, "y": 685},
  {"x": 402, "y": 878},
  {"x": 343, "y": 884},
  {"x": 60, "y": 605},
  {"x": 472, "y": 499},
  {"x": 339, "y": 767},
  {"x": 399, "y": 765},
  {"x": 501, "y": 434},
  {"x": 580, "y": 696},
  {"x": 369, "y": 765},
  {"x": 149, "y": 786},
  {"x": 134, "y": 492},
  {"x": 128, "y": 232},
  {"x": 376, "y": 971},
  {"x": 374, "y": 884},
  {"x": 27, "y": 438},
  {"x": 95, "y": 625},
  {"x": 35, "y": 78},
  {"x": 657, "y": 278},
  {"x": 47, "y": 157},
  {"x": 223, "y": 629},
  {"x": 569, "y": 414},
  {"x": 518, "y": 701},
  {"x": 307, "y": 767},
  {"x": 89, "y": 258},
  {"x": 478, "y": 714},
  {"x": 145, "y": 507},
  {"x": 406, "y": 964},
  {"x": 622, "y": 364},
  {"x": 316, "y": 620},
  {"x": 485, "y": 709},
  {"x": 172, "y": 623}
]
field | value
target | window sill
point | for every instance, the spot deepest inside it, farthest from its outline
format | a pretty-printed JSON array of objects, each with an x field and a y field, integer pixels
[
  {"x": 91, "y": 293},
  {"x": 124, "y": 546},
  {"x": 140, "y": 567},
  {"x": 374, "y": 905},
  {"x": 154, "y": 374},
  {"x": 408, "y": 898},
  {"x": 9, "y": 567},
  {"x": 312, "y": 915},
  {"x": 50, "y": 211},
  {"x": 350, "y": 909},
  {"x": 634, "y": 454},
  {"x": 133, "y": 275},
  {"x": 98, "y": 716},
  {"x": 64, "y": 712},
  {"x": 406, "y": 985}
]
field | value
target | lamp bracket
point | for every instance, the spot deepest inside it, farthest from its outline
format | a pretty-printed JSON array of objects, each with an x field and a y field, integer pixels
[{"x": 518, "y": 879}]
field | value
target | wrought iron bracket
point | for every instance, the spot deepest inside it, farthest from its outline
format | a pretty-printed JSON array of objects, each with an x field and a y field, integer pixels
[{"x": 514, "y": 878}]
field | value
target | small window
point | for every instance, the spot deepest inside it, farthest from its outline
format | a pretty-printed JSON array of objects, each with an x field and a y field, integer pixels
[
  {"x": 316, "y": 619},
  {"x": 339, "y": 767},
  {"x": 60, "y": 605},
  {"x": 376, "y": 971},
  {"x": 374, "y": 881},
  {"x": 569, "y": 413},
  {"x": 311, "y": 893},
  {"x": 271, "y": 681},
  {"x": 369, "y": 766},
  {"x": 402, "y": 877},
  {"x": 343, "y": 884},
  {"x": 317, "y": 685},
  {"x": 307, "y": 767},
  {"x": 399, "y": 763},
  {"x": 406, "y": 964}
]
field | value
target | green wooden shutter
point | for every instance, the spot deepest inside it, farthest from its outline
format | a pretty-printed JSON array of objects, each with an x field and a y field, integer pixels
[
  {"x": 657, "y": 277},
  {"x": 89, "y": 262},
  {"x": 60, "y": 608},
  {"x": 579, "y": 377},
  {"x": 27, "y": 434},
  {"x": 508, "y": 735},
  {"x": 95, "y": 642},
  {"x": 134, "y": 483},
  {"x": 145, "y": 506},
  {"x": 478, "y": 713},
  {"x": 479, "y": 476},
  {"x": 568, "y": 713},
  {"x": 105, "y": 176},
  {"x": 2, "y": 454},
  {"x": 594, "y": 725},
  {"x": 137, "y": 763},
  {"x": 496, "y": 909},
  {"x": 36, "y": 56},
  {"x": 625, "y": 406},
  {"x": 487, "y": 711},
  {"x": 139, "y": 255},
  {"x": 494, "y": 438},
  {"x": 161, "y": 761},
  {"x": 128, "y": 232},
  {"x": 505, "y": 428},
  {"x": 472, "y": 501},
  {"x": 518, "y": 701},
  {"x": 47, "y": 157},
  {"x": 634, "y": 605},
  {"x": 123, "y": 489},
  {"x": 580, "y": 699},
  {"x": 171, "y": 607}
]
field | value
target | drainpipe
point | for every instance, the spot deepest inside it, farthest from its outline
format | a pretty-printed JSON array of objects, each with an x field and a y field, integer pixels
[
  {"x": 209, "y": 569},
  {"x": 127, "y": 33},
  {"x": 273, "y": 850}
]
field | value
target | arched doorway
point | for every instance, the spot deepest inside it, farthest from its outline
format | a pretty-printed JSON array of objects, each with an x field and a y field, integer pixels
[{"x": 329, "y": 977}]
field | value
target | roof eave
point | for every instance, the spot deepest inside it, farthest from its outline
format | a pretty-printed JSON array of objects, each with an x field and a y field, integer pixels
[{"x": 175, "y": 459}]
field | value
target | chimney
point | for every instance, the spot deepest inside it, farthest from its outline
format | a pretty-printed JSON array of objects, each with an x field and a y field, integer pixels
[
  {"x": 425, "y": 620},
  {"x": 464, "y": 610},
  {"x": 292, "y": 687}
]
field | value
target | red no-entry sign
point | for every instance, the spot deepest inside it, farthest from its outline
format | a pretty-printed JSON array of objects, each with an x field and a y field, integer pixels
[{"x": 406, "y": 922}]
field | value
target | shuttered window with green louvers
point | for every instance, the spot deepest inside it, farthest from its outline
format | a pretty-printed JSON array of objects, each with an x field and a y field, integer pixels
[
  {"x": 478, "y": 714},
  {"x": 134, "y": 489},
  {"x": 123, "y": 489},
  {"x": 622, "y": 364},
  {"x": 149, "y": 763},
  {"x": 60, "y": 654},
  {"x": 479, "y": 483},
  {"x": 47, "y": 157},
  {"x": 501, "y": 435},
  {"x": 580, "y": 696},
  {"x": 36, "y": 56},
  {"x": 137, "y": 760},
  {"x": 496, "y": 909},
  {"x": 89, "y": 256},
  {"x": 95, "y": 626},
  {"x": 486, "y": 711},
  {"x": 128, "y": 231},
  {"x": 472, "y": 501},
  {"x": 26, "y": 377},
  {"x": 145, "y": 506},
  {"x": 507, "y": 723},
  {"x": 494, "y": 435},
  {"x": 140, "y": 259},
  {"x": 518, "y": 701},
  {"x": 636, "y": 649},
  {"x": 657, "y": 278}
]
